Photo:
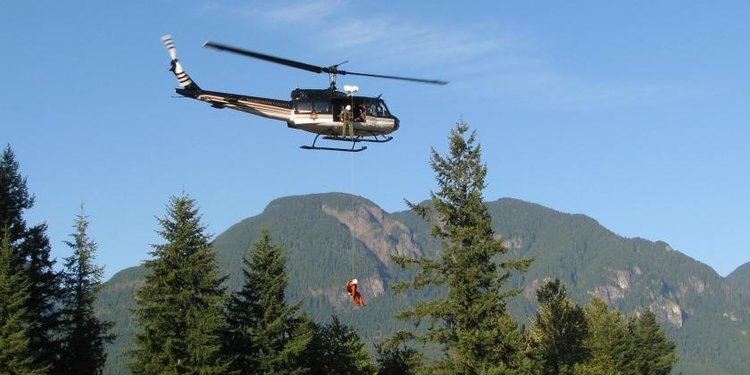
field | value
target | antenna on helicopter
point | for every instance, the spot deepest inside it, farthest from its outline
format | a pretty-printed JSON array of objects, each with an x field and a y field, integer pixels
[{"x": 350, "y": 89}]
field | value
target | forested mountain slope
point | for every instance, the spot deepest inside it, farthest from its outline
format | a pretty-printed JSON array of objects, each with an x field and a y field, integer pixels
[
  {"x": 330, "y": 238},
  {"x": 740, "y": 278}
]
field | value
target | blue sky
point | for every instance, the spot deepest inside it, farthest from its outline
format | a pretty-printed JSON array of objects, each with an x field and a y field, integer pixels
[{"x": 634, "y": 113}]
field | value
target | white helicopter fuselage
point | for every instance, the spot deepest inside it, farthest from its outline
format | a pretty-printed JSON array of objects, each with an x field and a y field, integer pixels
[
  {"x": 298, "y": 114},
  {"x": 334, "y": 114}
]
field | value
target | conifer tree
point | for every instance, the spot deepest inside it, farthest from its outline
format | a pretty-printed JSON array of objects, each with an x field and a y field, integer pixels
[
  {"x": 608, "y": 341},
  {"x": 16, "y": 356},
  {"x": 84, "y": 335},
  {"x": 558, "y": 332},
  {"x": 264, "y": 334},
  {"x": 31, "y": 252},
  {"x": 337, "y": 349},
  {"x": 14, "y": 197},
  {"x": 655, "y": 353},
  {"x": 179, "y": 306},
  {"x": 44, "y": 295},
  {"x": 470, "y": 321},
  {"x": 396, "y": 357}
]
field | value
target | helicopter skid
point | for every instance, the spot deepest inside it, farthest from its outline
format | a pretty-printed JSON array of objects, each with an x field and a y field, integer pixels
[
  {"x": 353, "y": 149},
  {"x": 375, "y": 139},
  {"x": 353, "y": 140}
]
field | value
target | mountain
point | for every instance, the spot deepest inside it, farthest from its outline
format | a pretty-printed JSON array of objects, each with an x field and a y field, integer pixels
[
  {"x": 740, "y": 278},
  {"x": 330, "y": 238}
]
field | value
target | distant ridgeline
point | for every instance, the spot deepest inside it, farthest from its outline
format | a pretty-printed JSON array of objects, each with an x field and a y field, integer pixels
[{"x": 331, "y": 238}]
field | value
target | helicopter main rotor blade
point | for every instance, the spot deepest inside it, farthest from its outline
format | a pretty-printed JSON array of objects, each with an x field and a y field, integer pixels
[
  {"x": 333, "y": 69},
  {"x": 420, "y": 80},
  {"x": 262, "y": 56}
]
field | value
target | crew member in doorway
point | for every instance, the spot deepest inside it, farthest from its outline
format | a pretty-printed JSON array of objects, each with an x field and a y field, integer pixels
[
  {"x": 360, "y": 115},
  {"x": 346, "y": 118}
]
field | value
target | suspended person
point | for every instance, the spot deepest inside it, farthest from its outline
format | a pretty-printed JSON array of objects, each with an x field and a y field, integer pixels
[{"x": 351, "y": 288}]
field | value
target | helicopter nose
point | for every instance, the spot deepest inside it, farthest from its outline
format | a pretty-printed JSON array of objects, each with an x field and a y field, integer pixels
[{"x": 395, "y": 124}]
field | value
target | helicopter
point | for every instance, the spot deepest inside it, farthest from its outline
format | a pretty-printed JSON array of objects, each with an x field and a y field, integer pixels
[{"x": 336, "y": 115}]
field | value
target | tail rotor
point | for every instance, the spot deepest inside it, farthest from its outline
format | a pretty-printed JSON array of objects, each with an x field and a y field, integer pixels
[
  {"x": 169, "y": 43},
  {"x": 183, "y": 78}
]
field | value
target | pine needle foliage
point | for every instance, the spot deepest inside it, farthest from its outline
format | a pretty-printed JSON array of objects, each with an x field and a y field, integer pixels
[
  {"x": 179, "y": 306},
  {"x": 16, "y": 356},
  {"x": 14, "y": 197},
  {"x": 396, "y": 357},
  {"x": 655, "y": 353},
  {"x": 470, "y": 322},
  {"x": 84, "y": 334},
  {"x": 337, "y": 349},
  {"x": 31, "y": 252},
  {"x": 265, "y": 335},
  {"x": 557, "y": 334},
  {"x": 609, "y": 343}
]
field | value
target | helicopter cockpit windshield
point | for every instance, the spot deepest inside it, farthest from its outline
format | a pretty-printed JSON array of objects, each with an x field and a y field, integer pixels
[{"x": 377, "y": 108}]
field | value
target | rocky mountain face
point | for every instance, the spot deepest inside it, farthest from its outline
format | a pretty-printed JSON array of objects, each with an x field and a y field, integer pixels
[{"x": 331, "y": 238}]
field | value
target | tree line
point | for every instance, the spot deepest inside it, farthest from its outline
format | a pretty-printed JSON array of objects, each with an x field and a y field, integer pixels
[
  {"x": 47, "y": 319},
  {"x": 188, "y": 323}
]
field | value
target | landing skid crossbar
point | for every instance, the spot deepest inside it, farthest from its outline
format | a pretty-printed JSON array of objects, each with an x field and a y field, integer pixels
[{"x": 359, "y": 138}]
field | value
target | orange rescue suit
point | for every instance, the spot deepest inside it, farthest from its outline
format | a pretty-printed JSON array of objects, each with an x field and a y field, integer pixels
[{"x": 357, "y": 298}]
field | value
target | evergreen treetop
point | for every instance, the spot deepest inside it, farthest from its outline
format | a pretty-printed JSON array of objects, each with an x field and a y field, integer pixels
[
  {"x": 14, "y": 197},
  {"x": 608, "y": 341},
  {"x": 337, "y": 349},
  {"x": 264, "y": 334},
  {"x": 179, "y": 307},
  {"x": 655, "y": 353},
  {"x": 471, "y": 321},
  {"x": 84, "y": 335},
  {"x": 557, "y": 334},
  {"x": 31, "y": 252}
]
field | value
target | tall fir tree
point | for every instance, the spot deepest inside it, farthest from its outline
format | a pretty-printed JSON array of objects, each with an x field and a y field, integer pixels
[
  {"x": 655, "y": 353},
  {"x": 31, "y": 251},
  {"x": 608, "y": 341},
  {"x": 16, "y": 356},
  {"x": 557, "y": 334},
  {"x": 14, "y": 197},
  {"x": 337, "y": 349},
  {"x": 264, "y": 334},
  {"x": 470, "y": 322},
  {"x": 179, "y": 306},
  {"x": 84, "y": 334},
  {"x": 45, "y": 293}
]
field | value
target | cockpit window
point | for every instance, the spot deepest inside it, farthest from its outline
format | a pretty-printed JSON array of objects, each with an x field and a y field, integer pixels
[
  {"x": 304, "y": 106},
  {"x": 379, "y": 109},
  {"x": 321, "y": 106},
  {"x": 308, "y": 106}
]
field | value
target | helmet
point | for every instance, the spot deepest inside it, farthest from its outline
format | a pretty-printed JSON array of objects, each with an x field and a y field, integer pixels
[
  {"x": 348, "y": 107},
  {"x": 354, "y": 281}
]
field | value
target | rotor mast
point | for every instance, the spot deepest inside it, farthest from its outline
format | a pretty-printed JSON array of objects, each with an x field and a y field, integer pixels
[
  {"x": 332, "y": 71},
  {"x": 332, "y": 80}
]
